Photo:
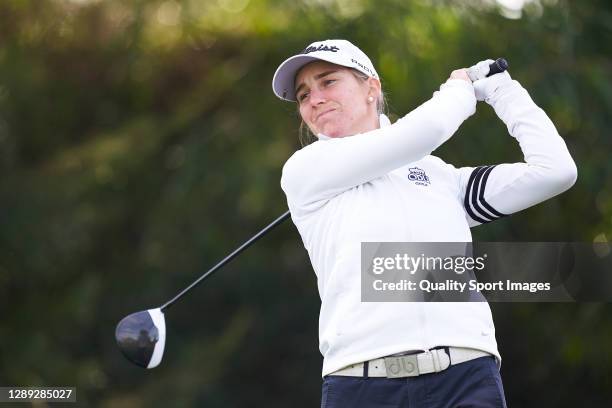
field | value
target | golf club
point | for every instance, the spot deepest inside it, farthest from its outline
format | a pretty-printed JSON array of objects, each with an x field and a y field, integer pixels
[{"x": 141, "y": 336}]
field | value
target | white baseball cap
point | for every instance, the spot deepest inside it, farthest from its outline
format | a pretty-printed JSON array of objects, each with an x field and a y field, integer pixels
[{"x": 340, "y": 52}]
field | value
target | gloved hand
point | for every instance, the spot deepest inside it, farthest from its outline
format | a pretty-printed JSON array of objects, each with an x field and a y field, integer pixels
[{"x": 484, "y": 86}]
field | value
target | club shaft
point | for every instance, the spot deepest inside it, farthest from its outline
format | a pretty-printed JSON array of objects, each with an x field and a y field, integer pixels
[{"x": 228, "y": 258}]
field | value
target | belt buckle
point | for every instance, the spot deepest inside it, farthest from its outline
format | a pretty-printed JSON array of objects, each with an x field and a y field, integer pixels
[{"x": 402, "y": 366}]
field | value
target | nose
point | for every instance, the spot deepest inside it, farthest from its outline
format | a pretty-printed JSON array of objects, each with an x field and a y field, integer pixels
[{"x": 317, "y": 97}]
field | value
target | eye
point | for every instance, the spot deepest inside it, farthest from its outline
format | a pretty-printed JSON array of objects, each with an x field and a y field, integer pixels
[
  {"x": 329, "y": 81},
  {"x": 302, "y": 96}
]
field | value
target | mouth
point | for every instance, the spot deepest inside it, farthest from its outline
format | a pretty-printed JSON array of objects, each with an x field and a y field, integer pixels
[{"x": 324, "y": 113}]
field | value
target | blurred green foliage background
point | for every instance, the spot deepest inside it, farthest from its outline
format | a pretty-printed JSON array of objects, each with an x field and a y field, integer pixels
[{"x": 140, "y": 142}]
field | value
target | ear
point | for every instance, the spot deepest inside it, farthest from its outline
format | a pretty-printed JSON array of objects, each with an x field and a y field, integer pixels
[{"x": 374, "y": 87}]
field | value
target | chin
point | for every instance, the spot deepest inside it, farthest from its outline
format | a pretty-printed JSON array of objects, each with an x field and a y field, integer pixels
[
  {"x": 336, "y": 132},
  {"x": 343, "y": 134}
]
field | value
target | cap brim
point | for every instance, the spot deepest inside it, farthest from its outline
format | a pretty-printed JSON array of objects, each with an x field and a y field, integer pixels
[{"x": 283, "y": 83}]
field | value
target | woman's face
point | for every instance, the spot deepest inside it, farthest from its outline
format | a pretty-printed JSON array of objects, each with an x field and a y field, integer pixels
[{"x": 334, "y": 102}]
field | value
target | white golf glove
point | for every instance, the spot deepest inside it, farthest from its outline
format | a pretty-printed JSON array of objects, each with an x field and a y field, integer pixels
[{"x": 485, "y": 87}]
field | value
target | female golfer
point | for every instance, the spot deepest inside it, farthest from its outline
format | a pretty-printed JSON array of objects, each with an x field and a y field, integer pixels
[{"x": 367, "y": 180}]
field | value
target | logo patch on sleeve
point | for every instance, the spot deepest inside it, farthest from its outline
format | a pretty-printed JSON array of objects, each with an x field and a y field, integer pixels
[{"x": 418, "y": 176}]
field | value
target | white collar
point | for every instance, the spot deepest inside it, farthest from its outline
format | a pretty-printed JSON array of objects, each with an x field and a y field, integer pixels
[{"x": 382, "y": 119}]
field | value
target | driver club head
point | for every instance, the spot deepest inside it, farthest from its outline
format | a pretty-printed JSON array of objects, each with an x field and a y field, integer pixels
[{"x": 141, "y": 337}]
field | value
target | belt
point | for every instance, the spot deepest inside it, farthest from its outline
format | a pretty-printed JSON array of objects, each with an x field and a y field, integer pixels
[{"x": 412, "y": 365}]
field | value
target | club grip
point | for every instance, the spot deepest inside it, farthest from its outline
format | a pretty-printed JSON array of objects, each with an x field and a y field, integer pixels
[{"x": 500, "y": 65}]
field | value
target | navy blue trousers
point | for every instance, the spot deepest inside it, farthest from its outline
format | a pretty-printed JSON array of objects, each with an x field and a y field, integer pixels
[{"x": 473, "y": 384}]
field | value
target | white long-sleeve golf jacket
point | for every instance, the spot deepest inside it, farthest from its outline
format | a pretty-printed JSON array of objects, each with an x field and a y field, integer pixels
[{"x": 384, "y": 186}]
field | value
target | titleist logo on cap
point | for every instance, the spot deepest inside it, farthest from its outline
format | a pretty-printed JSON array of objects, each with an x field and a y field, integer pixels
[{"x": 321, "y": 47}]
